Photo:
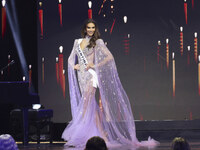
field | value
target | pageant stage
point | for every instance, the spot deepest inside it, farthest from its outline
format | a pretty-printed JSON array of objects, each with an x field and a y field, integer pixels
[
  {"x": 163, "y": 146},
  {"x": 156, "y": 49},
  {"x": 163, "y": 131}
]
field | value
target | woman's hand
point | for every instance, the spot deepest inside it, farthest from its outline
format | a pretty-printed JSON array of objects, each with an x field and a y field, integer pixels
[
  {"x": 90, "y": 65},
  {"x": 77, "y": 67}
]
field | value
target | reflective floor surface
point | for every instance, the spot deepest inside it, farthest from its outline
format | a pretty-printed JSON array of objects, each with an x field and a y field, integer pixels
[{"x": 195, "y": 145}]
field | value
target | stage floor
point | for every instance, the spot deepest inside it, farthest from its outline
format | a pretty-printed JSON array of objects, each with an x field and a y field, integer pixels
[{"x": 59, "y": 146}]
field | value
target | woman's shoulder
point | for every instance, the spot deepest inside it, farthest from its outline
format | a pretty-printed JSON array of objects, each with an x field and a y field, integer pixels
[
  {"x": 78, "y": 40},
  {"x": 99, "y": 41}
]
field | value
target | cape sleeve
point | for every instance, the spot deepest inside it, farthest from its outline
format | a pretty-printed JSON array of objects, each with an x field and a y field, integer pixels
[
  {"x": 105, "y": 53},
  {"x": 119, "y": 121},
  {"x": 72, "y": 56},
  {"x": 74, "y": 91},
  {"x": 115, "y": 102}
]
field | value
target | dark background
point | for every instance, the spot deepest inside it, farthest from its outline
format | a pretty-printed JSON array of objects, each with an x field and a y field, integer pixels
[
  {"x": 148, "y": 86},
  {"x": 26, "y": 13}
]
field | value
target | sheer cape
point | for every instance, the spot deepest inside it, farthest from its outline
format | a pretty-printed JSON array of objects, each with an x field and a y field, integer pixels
[{"x": 113, "y": 116}]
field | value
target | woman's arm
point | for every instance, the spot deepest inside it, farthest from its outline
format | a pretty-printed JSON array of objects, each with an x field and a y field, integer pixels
[{"x": 72, "y": 59}]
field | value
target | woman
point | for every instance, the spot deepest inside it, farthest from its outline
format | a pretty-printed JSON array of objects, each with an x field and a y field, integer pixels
[{"x": 109, "y": 117}]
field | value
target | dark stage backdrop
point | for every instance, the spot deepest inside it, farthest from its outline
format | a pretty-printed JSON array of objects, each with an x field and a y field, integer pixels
[
  {"x": 145, "y": 68},
  {"x": 24, "y": 17},
  {"x": 26, "y": 30}
]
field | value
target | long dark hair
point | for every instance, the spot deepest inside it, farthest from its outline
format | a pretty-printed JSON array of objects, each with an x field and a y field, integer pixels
[
  {"x": 180, "y": 143},
  {"x": 96, "y": 35},
  {"x": 96, "y": 143}
]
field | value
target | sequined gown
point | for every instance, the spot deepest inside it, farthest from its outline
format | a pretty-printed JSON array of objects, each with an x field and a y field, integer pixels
[
  {"x": 87, "y": 121},
  {"x": 84, "y": 77},
  {"x": 110, "y": 117}
]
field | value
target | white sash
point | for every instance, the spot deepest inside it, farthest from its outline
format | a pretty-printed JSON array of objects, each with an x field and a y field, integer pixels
[{"x": 85, "y": 62}]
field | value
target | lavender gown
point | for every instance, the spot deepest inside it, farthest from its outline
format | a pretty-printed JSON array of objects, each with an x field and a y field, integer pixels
[{"x": 112, "y": 119}]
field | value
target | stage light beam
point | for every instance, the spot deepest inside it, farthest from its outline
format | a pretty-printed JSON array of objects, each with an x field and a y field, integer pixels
[{"x": 16, "y": 36}]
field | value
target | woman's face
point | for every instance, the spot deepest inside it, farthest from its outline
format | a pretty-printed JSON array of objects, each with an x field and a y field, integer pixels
[{"x": 90, "y": 29}]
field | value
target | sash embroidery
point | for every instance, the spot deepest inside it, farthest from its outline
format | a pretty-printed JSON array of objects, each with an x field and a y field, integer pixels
[{"x": 85, "y": 62}]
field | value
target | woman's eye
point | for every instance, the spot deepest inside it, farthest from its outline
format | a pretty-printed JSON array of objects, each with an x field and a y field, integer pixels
[{"x": 90, "y": 27}]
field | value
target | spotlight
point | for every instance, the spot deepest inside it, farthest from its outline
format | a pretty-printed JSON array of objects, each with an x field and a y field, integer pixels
[
  {"x": 61, "y": 49},
  {"x": 195, "y": 34},
  {"x": 181, "y": 29},
  {"x": 3, "y": 3},
  {"x": 30, "y": 66},
  {"x": 90, "y": 4},
  {"x": 24, "y": 78},
  {"x": 125, "y": 19},
  {"x": 40, "y": 3},
  {"x": 188, "y": 48},
  {"x": 173, "y": 54},
  {"x": 167, "y": 41},
  {"x": 36, "y": 106}
]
